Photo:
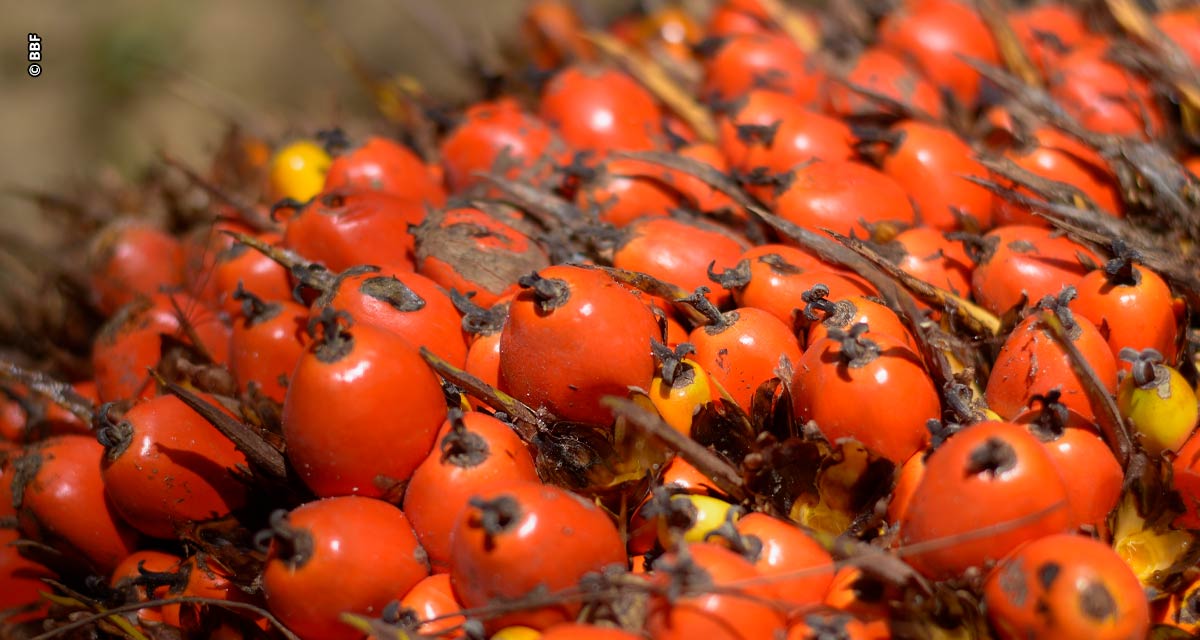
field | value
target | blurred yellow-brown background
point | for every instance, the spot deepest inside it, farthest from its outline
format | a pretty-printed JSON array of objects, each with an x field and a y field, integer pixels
[{"x": 124, "y": 78}]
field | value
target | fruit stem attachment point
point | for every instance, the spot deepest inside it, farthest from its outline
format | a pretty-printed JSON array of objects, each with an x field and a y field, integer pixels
[
  {"x": 816, "y": 299},
  {"x": 674, "y": 369},
  {"x": 1120, "y": 271},
  {"x": 1147, "y": 369},
  {"x": 699, "y": 301},
  {"x": 550, "y": 293},
  {"x": 496, "y": 516},
  {"x": 292, "y": 545},
  {"x": 856, "y": 351}
]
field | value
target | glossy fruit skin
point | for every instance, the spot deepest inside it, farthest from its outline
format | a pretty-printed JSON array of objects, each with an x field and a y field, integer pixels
[
  {"x": 802, "y": 570},
  {"x": 1138, "y": 314},
  {"x": 433, "y": 597},
  {"x": 1047, "y": 32},
  {"x": 600, "y": 334},
  {"x": 1161, "y": 416},
  {"x": 933, "y": 258},
  {"x": 1079, "y": 452},
  {"x": 297, "y": 170},
  {"x": 1022, "y": 259},
  {"x": 167, "y": 466},
  {"x": 908, "y": 476},
  {"x": 858, "y": 309},
  {"x": 21, "y": 580},
  {"x": 383, "y": 165},
  {"x": 131, "y": 342},
  {"x": 1182, "y": 25},
  {"x": 831, "y": 390},
  {"x": 780, "y": 274},
  {"x": 678, "y": 403},
  {"x": 716, "y": 615},
  {"x": 478, "y": 250},
  {"x": 489, "y": 452},
  {"x": 392, "y": 402},
  {"x": 932, "y": 164},
  {"x": 266, "y": 347},
  {"x": 933, "y": 34},
  {"x": 744, "y": 351},
  {"x": 699, "y": 194},
  {"x": 407, "y": 304},
  {"x": 883, "y": 72},
  {"x": 363, "y": 551},
  {"x": 491, "y": 130},
  {"x": 597, "y": 109},
  {"x": 678, "y": 251},
  {"x": 621, "y": 191},
  {"x": 549, "y": 538},
  {"x": 25, "y": 417},
  {"x": 1032, "y": 363},
  {"x": 1103, "y": 96},
  {"x": 1053, "y": 155},
  {"x": 706, "y": 514},
  {"x": 985, "y": 476},
  {"x": 778, "y": 131},
  {"x": 769, "y": 61},
  {"x": 64, "y": 503},
  {"x": 256, "y": 272},
  {"x": 840, "y": 196},
  {"x": 1066, "y": 586},
  {"x": 349, "y": 227},
  {"x": 131, "y": 259}
]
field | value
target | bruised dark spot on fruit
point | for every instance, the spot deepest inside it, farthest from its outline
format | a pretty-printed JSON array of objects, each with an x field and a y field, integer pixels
[
  {"x": 1097, "y": 603},
  {"x": 1012, "y": 582},
  {"x": 1046, "y": 574},
  {"x": 991, "y": 458},
  {"x": 395, "y": 293},
  {"x": 1022, "y": 246}
]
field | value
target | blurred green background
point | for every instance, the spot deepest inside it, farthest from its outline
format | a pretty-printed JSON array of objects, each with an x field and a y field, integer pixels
[{"x": 122, "y": 79}]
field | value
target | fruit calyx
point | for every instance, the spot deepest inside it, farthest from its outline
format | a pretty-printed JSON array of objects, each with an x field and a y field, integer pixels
[
  {"x": 549, "y": 293},
  {"x": 293, "y": 546}
]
